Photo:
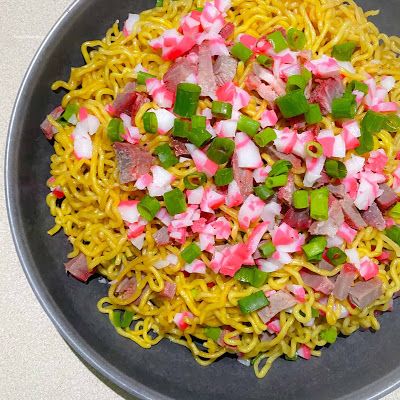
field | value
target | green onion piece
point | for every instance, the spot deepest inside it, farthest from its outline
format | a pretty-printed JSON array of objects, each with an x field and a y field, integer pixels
[
  {"x": 260, "y": 277},
  {"x": 393, "y": 233},
  {"x": 344, "y": 107},
  {"x": 314, "y": 248},
  {"x": 116, "y": 318},
  {"x": 267, "y": 249},
  {"x": 126, "y": 320},
  {"x": 296, "y": 39},
  {"x": 143, "y": 76},
  {"x": 175, "y": 201},
  {"x": 199, "y": 9},
  {"x": 223, "y": 177},
  {"x": 187, "y": 99},
  {"x": 159, "y": 3},
  {"x": 150, "y": 122},
  {"x": 264, "y": 60},
  {"x": 191, "y": 252},
  {"x": 313, "y": 115},
  {"x": 392, "y": 123},
  {"x": 276, "y": 181},
  {"x": 319, "y": 204},
  {"x": 357, "y": 85},
  {"x": 329, "y": 335},
  {"x": 253, "y": 302},
  {"x": 371, "y": 123},
  {"x": 314, "y": 149},
  {"x": 245, "y": 274},
  {"x": 199, "y": 136},
  {"x": 248, "y": 125},
  {"x": 71, "y": 110},
  {"x": 195, "y": 292},
  {"x": 148, "y": 207},
  {"x": 115, "y": 129},
  {"x": 181, "y": 128},
  {"x": 212, "y": 332},
  {"x": 199, "y": 122},
  {"x": 194, "y": 180},
  {"x": 265, "y": 136},
  {"x": 395, "y": 211},
  {"x": 240, "y": 51},
  {"x": 263, "y": 192},
  {"x": 314, "y": 312},
  {"x": 306, "y": 74},
  {"x": 295, "y": 82},
  {"x": 221, "y": 150},
  {"x": 278, "y": 41},
  {"x": 293, "y": 104},
  {"x": 281, "y": 167},
  {"x": 221, "y": 110},
  {"x": 335, "y": 169},
  {"x": 294, "y": 358},
  {"x": 336, "y": 256},
  {"x": 166, "y": 155},
  {"x": 300, "y": 199},
  {"x": 344, "y": 51}
]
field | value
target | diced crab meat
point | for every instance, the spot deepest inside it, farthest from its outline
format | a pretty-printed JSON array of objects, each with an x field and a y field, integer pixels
[
  {"x": 226, "y": 128},
  {"x": 128, "y": 211},
  {"x": 231, "y": 93},
  {"x": 286, "y": 239},
  {"x": 377, "y": 161},
  {"x": 196, "y": 267},
  {"x": 304, "y": 352},
  {"x": 248, "y": 154},
  {"x": 222, "y": 228},
  {"x": 165, "y": 120},
  {"x": 351, "y": 132},
  {"x": 161, "y": 183},
  {"x": 285, "y": 141},
  {"x": 138, "y": 241},
  {"x": 268, "y": 118},
  {"x": 250, "y": 211},
  {"x": 274, "y": 326},
  {"x": 195, "y": 196},
  {"x": 181, "y": 319},
  {"x": 211, "y": 200},
  {"x": 269, "y": 212},
  {"x": 368, "y": 190},
  {"x": 368, "y": 269},
  {"x": 298, "y": 291},
  {"x": 347, "y": 233},
  {"x": 202, "y": 162},
  {"x": 324, "y": 67},
  {"x": 314, "y": 169},
  {"x": 234, "y": 197}
]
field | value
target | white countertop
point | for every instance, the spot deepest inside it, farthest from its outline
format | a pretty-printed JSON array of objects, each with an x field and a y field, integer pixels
[{"x": 35, "y": 362}]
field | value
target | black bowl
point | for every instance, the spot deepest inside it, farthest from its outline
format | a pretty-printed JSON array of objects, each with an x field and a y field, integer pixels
[{"x": 363, "y": 366}]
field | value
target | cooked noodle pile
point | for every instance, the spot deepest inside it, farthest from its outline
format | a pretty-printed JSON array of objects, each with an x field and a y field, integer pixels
[{"x": 90, "y": 218}]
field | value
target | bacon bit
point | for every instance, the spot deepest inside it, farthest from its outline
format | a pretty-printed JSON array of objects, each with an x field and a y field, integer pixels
[
  {"x": 324, "y": 67},
  {"x": 373, "y": 217},
  {"x": 347, "y": 233},
  {"x": 169, "y": 290},
  {"x": 124, "y": 101},
  {"x": 317, "y": 282},
  {"x": 234, "y": 197},
  {"x": 388, "y": 197},
  {"x": 298, "y": 219},
  {"x": 128, "y": 211},
  {"x": 222, "y": 228},
  {"x": 206, "y": 78},
  {"x": 47, "y": 128},
  {"x": 298, "y": 291},
  {"x": 78, "y": 268},
  {"x": 287, "y": 239},
  {"x": 181, "y": 320},
  {"x": 202, "y": 162},
  {"x": 368, "y": 269},
  {"x": 196, "y": 267},
  {"x": 250, "y": 211},
  {"x": 161, "y": 237},
  {"x": 141, "y": 98},
  {"x": 224, "y": 68}
]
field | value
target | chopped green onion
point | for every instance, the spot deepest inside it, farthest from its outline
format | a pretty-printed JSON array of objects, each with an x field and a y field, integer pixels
[
  {"x": 371, "y": 123},
  {"x": 223, "y": 177},
  {"x": 126, "y": 320},
  {"x": 253, "y": 302},
  {"x": 336, "y": 256},
  {"x": 296, "y": 39},
  {"x": 295, "y": 82},
  {"x": 314, "y": 312},
  {"x": 392, "y": 123},
  {"x": 267, "y": 249},
  {"x": 159, "y": 3},
  {"x": 357, "y": 85},
  {"x": 313, "y": 115},
  {"x": 175, "y": 201},
  {"x": 199, "y": 122},
  {"x": 306, "y": 74},
  {"x": 276, "y": 181},
  {"x": 221, "y": 109},
  {"x": 314, "y": 149},
  {"x": 191, "y": 252},
  {"x": 240, "y": 51},
  {"x": 335, "y": 169},
  {"x": 281, "y": 167},
  {"x": 245, "y": 275},
  {"x": 300, "y": 199},
  {"x": 148, "y": 207},
  {"x": 194, "y": 180},
  {"x": 143, "y": 76},
  {"x": 278, "y": 41},
  {"x": 221, "y": 150},
  {"x": 71, "y": 110},
  {"x": 344, "y": 107},
  {"x": 115, "y": 129},
  {"x": 314, "y": 248},
  {"x": 265, "y": 136},
  {"x": 212, "y": 332},
  {"x": 292, "y": 104},
  {"x": 181, "y": 128},
  {"x": 263, "y": 192},
  {"x": 260, "y": 277},
  {"x": 150, "y": 122},
  {"x": 187, "y": 99},
  {"x": 344, "y": 51},
  {"x": 294, "y": 358},
  {"x": 393, "y": 233},
  {"x": 395, "y": 211},
  {"x": 264, "y": 60},
  {"x": 116, "y": 318},
  {"x": 319, "y": 204},
  {"x": 199, "y": 136},
  {"x": 329, "y": 335},
  {"x": 166, "y": 155},
  {"x": 248, "y": 125}
]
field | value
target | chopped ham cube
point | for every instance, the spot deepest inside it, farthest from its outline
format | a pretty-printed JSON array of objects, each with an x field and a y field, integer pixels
[{"x": 78, "y": 268}]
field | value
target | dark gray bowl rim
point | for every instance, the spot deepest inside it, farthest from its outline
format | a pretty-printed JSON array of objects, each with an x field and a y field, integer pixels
[{"x": 373, "y": 391}]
